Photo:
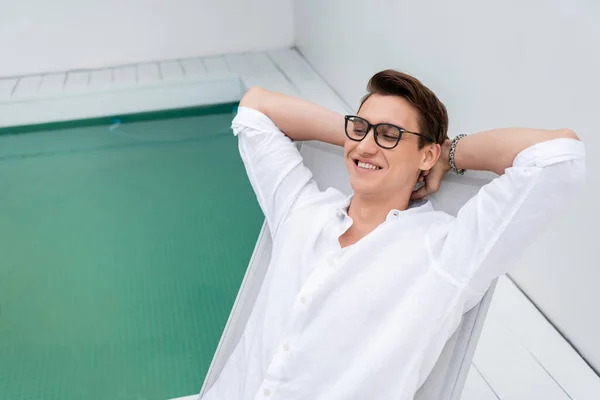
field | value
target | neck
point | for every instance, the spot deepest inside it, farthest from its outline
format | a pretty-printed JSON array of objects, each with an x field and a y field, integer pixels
[{"x": 369, "y": 211}]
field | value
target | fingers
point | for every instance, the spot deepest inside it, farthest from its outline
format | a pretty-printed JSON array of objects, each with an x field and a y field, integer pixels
[
  {"x": 430, "y": 186},
  {"x": 420, "y": 193},
  {"x": 433, "y": 186}
]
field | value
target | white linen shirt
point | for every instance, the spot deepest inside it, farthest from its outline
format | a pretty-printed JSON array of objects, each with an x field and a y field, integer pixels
[{"x": 369, "y": 321}]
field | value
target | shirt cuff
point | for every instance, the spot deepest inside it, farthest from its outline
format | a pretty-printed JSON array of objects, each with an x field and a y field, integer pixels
[
  {"x": 253, "y": 119},
  {"x": 550, "y": 152}
]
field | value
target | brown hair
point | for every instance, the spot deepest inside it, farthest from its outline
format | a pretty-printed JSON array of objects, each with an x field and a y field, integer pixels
[{"x": 433, "y": 117}]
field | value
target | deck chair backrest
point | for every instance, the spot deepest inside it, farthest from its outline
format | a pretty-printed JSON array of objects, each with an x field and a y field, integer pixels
[{"x": 448, "y": 376}]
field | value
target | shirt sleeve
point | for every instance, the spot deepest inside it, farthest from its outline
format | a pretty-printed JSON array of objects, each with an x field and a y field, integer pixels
[
  {"x": 493, "y": 228},
  {"x": 273, "y": 164}
]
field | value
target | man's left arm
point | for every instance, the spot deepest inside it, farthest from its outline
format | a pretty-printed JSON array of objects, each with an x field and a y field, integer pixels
[
  {"x": 496, "y": 149},
  {"x": 539, "y": 172}
]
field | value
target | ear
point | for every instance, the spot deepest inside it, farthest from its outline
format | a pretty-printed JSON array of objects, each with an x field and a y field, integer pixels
[{"x": 429, "y": 156}]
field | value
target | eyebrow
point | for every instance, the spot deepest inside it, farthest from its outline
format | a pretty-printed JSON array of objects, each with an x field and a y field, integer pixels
[{"x": 384, "y": 122}]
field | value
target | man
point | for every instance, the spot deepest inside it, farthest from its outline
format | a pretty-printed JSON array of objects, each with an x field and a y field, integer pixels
[{"x": 363, "y": 292}]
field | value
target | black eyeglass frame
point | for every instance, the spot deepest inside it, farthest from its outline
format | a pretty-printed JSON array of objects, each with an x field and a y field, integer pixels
[{"x": 376, "y": 134}]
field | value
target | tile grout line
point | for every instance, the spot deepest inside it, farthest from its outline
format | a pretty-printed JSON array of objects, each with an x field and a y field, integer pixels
[
  {"x": 282, "y": 72},
  {"x": 565, "y": 338},
  {"x": 227, "y": 64},
  {"x": 548, "y": 372},
  {"x": 39, "y": 85},
  {"x": 520, "y": 343},
  {"x": 485, "y": 380},
  {"x": 160, "y": 74},
  {"x": 309, "y": 64},
  {"x": 183, "y": 71},
  {"x": 14, "y": 88}
]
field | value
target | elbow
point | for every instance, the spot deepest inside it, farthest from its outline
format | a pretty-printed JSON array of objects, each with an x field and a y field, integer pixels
[
  {"x": 568, "y": 133},
  {"x": 254, "y": 98}
]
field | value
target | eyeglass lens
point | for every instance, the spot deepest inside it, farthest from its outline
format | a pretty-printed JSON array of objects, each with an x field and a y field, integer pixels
[{"x": 386, "y": 136}]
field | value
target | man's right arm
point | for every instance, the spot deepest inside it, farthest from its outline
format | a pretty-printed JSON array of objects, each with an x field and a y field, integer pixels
[
  {"x": 298, "y": 119},
  {"x": 266, "y": 124}
]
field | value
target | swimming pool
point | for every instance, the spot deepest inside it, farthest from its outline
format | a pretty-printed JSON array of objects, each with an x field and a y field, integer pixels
[{"x": 123, "y": 245}]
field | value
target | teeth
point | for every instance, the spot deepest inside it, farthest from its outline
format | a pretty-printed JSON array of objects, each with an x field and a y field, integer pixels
[{"x": 367, "y": 165}]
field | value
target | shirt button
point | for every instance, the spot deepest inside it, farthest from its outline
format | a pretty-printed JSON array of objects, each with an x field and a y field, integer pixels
[
  {"x": 287, "y": 347},
  {"x": 267, "y": 392},
  {"x": 303, "y": 300}
]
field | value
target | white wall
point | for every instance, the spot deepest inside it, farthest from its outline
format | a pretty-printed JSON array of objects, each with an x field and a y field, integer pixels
[
  {"x": 494, "y": 64},
  {"x": 41, "y": 36}
]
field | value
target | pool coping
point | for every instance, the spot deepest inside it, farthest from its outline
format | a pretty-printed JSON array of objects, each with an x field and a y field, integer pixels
[
  {"x": 127, "y": 100},
  {"x": 194, "y": 111}
]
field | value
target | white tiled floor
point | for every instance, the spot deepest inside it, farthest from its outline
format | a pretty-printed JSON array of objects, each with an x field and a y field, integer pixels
[{"x": 519, "y": 356}]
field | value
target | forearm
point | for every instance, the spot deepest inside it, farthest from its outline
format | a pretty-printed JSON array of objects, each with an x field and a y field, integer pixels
[
  {"x": 496, "y": 149},
  {"x": 297, "y": 118}
]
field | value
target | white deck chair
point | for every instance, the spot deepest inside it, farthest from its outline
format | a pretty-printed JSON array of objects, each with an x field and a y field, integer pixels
[{"x": 448, "y": 376}]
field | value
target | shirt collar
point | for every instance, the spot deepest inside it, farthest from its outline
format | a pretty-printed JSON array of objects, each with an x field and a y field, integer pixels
[{"x": 416, "y": 206}]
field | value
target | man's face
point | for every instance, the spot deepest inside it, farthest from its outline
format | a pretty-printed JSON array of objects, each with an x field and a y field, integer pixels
[{"x": 398, "y": 168}]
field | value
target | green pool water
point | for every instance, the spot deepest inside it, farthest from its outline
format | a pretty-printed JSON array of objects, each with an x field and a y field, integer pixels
[{"x": 122, "y": 249}]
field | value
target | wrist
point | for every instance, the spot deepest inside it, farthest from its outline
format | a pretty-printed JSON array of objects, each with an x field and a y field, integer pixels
[
  {"x": 444, "y": 159},
  {"x": 452, "y": 155}
]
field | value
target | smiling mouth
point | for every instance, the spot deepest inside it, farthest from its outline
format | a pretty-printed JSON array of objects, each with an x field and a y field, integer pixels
[{"x": 366, "y": 165}]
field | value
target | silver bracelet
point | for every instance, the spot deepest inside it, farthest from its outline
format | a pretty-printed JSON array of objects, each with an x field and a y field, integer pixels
[{"x": 451, "y": 156}]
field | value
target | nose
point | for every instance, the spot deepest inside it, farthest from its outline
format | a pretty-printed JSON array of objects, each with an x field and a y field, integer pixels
[{"x": 368, "y": 145}]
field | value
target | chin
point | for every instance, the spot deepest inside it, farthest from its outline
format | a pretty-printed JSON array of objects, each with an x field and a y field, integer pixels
[
  {"x": 365, "y": 184},
  {"x": 363, "y": 188}
]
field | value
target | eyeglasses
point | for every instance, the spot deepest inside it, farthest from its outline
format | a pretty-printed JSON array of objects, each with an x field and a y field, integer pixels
[{"x": 387, "y": 136}]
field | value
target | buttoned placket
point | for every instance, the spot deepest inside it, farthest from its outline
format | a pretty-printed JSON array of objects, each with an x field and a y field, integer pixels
[{"x": 327, "y": 267}]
